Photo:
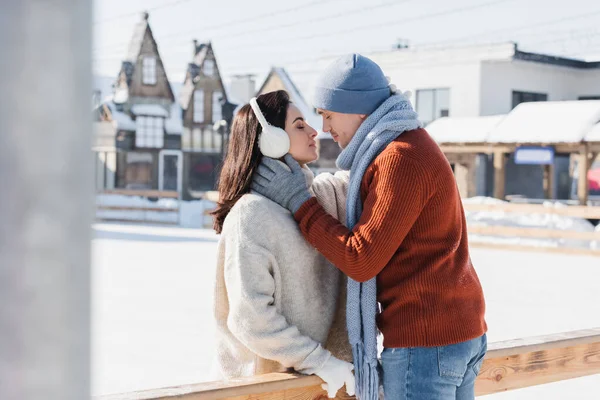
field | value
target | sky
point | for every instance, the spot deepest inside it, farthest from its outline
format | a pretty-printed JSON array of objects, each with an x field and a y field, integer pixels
[{"x": 249, "y": 37}]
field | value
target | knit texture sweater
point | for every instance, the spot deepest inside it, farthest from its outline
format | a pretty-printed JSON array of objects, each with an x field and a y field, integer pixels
[
  {"x": 279, "y": 304},
  {"x": 412, "y": 236}
]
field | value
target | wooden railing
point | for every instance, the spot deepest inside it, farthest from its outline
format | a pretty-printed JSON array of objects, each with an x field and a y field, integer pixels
[
  {"x": 508, "y": 365},
  {"x": 156, "y": 194},
  {"x": 586, "y": 212}
]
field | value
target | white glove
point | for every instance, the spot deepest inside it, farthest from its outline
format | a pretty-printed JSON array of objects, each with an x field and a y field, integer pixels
[{"x": 336, "y": 373}]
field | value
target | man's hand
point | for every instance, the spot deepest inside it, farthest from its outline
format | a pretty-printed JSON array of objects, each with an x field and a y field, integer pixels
[{"x": 284, "y": 186}]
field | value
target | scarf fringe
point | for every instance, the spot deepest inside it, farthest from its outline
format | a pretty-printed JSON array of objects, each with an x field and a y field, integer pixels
[{"x": 366, "y": 375}]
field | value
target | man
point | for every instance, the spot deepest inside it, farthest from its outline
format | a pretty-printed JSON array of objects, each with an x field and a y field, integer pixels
[{"x": 405, "y": 242}]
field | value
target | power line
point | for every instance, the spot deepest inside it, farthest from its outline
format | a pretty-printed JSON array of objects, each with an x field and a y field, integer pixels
[
  {"x": 303, "y": 60},
  {"x": 513, "y": 29},
  {"x": 379, "y": 25},
  {"x": 369, "y": 26},
  {"x": 427, "y": 61},
  {"x": 328, "y": 17},
  {"x": 131, "y": 14},
  {"x": 226, "y": 24}
]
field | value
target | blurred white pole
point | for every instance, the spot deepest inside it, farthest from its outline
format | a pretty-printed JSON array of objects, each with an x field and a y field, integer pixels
[{"x": 46, "y": 199}]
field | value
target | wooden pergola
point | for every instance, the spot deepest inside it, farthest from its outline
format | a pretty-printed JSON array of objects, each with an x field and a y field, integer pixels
[
  {"x": 568, "y": 127},
  {"x": 464, "y": 155}
]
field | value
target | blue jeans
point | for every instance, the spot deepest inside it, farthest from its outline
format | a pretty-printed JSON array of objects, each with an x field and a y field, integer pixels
[{"x": 433, "y": 373}]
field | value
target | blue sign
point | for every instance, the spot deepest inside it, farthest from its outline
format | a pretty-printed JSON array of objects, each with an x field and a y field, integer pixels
[{"x": 534, "y": 155}]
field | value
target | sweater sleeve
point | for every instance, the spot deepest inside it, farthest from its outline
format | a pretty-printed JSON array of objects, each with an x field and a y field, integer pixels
[
  {"x": 253, "y": 317},
  {"x": 396, "y": 196}
]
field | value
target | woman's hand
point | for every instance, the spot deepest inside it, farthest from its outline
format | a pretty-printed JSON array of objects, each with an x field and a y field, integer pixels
[{"x": 336, "y": 373}]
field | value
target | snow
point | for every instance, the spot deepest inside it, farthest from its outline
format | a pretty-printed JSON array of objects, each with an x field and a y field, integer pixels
[
  {"x": 174, "y": 124},
  {"x": 463, "y": 130},
  {"x": 594, "y": 134},
  {"x": 527, "y": 220},
  {"x": 152, "y": 306},
  {"x": 190, "y": 214},
  {"x": 121, "y": 95},
  {"x": 121, "y": 121},
  {"x": 547, "y": 122},
  {"x": 153, "y": 110}
]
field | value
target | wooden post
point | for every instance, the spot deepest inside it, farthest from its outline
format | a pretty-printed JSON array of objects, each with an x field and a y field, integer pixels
[
  {"x": 549, "y": 181},
  {"x": 499, "y": 174},
  {"x": 46, "y": 170},
  {"x": 582, "y": 180},
  {"x": 461, "y": 172},
  {"x": 472, "y": 176}
]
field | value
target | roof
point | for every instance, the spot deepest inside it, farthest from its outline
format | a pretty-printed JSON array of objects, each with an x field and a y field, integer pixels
[
  {"x": 153, "y": 110},
  {"x": 296, "y": 97},
  {"x": 135, "y": 45},
  {"x": 140, "y": 31},
  {"x": 555, "y": 60},
  {"x": 193, "y": 71},
  {"x": 173, "y": 121},
  {"x": 548, "y": 122},
  {"x": 594, "y": 134},
  {"x": 121, "y": 121},
  {"x": 463, "y": 130}
]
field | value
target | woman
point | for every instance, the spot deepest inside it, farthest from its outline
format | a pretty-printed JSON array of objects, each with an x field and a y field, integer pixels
[{"x": 279, "y": 304}]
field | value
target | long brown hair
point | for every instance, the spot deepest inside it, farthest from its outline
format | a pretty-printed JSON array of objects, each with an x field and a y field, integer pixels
[{"x": 243, "y": 154}]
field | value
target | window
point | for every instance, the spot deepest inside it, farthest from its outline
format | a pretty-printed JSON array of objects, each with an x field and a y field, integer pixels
[
  {"x": 199, "y": 106},
  {"x": 150, "y": 132},
  {"x": 208, "y": 68},
  {"x": 527, "y": 97},
  {"x": 433, "y": 104},
  {"x": 186, "y": 139},
  {"x": 216, "y": 106},
  {"x": 149, "y": 70},
  {"x": 202, "y": 139},
  {"x": 196, "y": 139},
  {"x": 589, "y": 97},
  {"x": 212, "y": 140}
]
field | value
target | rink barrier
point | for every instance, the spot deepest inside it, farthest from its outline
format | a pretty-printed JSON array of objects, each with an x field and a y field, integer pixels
[
  {"x": 509, "y": 365},
  {"x": 157, "y": 194},
  {"x": 585, "y": 212}
]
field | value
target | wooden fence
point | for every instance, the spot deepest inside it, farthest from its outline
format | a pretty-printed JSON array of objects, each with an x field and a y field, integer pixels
[
  {"x": 585, "y": 212},
  {"x": 154, "y": 194},
  {"x": 509, "y": 365}
]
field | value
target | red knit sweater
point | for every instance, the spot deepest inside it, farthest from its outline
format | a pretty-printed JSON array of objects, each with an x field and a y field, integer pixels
[{"x": 412, "y": 235}]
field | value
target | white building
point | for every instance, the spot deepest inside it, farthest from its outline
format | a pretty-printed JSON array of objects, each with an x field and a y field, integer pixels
[
  {"x": 465, "y": 83},
  {"x": 473, "y": 81}
]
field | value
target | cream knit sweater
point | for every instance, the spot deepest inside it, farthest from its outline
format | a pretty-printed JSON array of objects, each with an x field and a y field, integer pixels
[{"x": 279, "y": 304}]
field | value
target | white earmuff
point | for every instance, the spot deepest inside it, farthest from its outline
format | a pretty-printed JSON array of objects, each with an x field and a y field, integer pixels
[{"x": 274, "y": 142}]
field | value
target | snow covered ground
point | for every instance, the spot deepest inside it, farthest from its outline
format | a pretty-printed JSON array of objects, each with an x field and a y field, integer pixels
[
  {"x": 191, "y": 215},
  {"x": 528, "y": 220},
  {"x": 152, "y": 310}
]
